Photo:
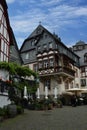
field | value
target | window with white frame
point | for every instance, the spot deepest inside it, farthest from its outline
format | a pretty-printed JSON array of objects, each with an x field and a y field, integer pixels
[
  {"x": 83, "y": 82},
  {"x": 27, "y": 56},
  {"x": 50, "y": 44},
  {"x": 40, "y": 65},
  {"x": 35, "y": 68},
  {"x": 85, "y": 57},
  {"x": 39, "y": 48},
  {"x": 47, "y": 83},
  {"x": 45, "y": 63},
  {"x": 44, "y": 46},
  {"x": 51, "y": 62}
]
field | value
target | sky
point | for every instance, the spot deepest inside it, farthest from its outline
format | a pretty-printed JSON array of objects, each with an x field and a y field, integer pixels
[{"x": 67, "y": 18}]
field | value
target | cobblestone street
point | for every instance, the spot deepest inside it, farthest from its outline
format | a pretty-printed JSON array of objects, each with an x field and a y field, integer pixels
[{"x": 66, "y": 118}]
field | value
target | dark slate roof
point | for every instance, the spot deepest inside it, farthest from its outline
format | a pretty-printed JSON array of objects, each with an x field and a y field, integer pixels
[
  {"x": 15, "y": 55},
  {"x": 80, "y": 43},
  {"x": 34, "y": 34}
]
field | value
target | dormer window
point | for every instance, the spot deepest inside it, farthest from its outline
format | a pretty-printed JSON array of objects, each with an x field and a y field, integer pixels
[
  {"x": 44, "y": 46},
  {"x": 74, "y": 48},
  {"x": 85, "y": 57},
  {"x": 27, "y": 56},
  {"x": 32, "y": 43},
  {"x": 50, "y": 44},
  {"x": 38, "y": 48},
  {"x": 80, "y": 47}
]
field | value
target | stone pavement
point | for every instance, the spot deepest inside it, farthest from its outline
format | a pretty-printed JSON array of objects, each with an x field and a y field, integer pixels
[{"x": 66, "y": 118}]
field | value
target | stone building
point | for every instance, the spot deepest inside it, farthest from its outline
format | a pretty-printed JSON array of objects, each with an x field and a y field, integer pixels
[
  {"x": 80, "y": 48},
  {"x": 56, "y": 64}
]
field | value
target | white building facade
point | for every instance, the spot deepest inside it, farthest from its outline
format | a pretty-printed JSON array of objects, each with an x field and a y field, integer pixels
[
  {"x": 80, "y": 48},
  {"x": 5, "y": 40}
]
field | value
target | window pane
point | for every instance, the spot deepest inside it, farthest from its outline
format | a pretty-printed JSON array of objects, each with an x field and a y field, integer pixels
[
  {"x": 51, "y": 62},
  {"x": 83, "y": 82},
  {"x": 50, "y": 44}
]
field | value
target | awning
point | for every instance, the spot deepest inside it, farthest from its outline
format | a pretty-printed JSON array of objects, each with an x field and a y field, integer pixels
[
  {"x": 68, "y": 93},
  {"x": 77, "y": 90},
  {"x": 74, "y": 90}
]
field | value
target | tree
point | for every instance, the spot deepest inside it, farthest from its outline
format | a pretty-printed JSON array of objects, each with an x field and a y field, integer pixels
[
  {"x": 15, "y": 69},
  {"x": 19, "y": 72}
]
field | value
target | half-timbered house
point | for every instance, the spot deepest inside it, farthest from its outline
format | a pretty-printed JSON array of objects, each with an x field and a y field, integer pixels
[{"x": 56, "y": 64}]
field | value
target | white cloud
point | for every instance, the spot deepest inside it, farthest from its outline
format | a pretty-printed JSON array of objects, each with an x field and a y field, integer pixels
[
  {"x": 20, "y": 40},
  {"x": 24, "y": 22},
  {"x": 10, "y": 1},
  {"x": 50, "y": 2},
  {"x": 81, "y": 11},
  {"x": 54, "y": 18}
]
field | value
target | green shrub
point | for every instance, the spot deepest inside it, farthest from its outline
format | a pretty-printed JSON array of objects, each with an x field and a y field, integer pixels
[
  {"x": 38, "y": 105},
  {"x": 59, "y": 103},
  {"x": 6, "y": 110},
  {"x": 20, "y": 110},
  {"x": 2, "y": 112}
]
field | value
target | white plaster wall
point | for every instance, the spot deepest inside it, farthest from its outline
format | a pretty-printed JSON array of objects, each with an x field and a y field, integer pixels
[
  {"x": 77, "y": 79},
  {"x": 41, "y": 86},
  {"x": 4, "y": 75},
  {"x": 31, "y": 66},
  {"x": 4, "y": 100},
  {"x": 54, "y": 83}
]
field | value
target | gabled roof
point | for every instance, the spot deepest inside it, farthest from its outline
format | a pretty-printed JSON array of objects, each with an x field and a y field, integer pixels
[
  {"x": 57, "y": 39},
  {"x": 36, "y": 33}
]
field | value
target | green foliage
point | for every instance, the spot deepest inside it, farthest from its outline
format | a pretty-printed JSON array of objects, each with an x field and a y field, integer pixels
[
  {"x": 11, "y": 93},
  {"x": 44, "y": 104},
  {"x": 15, "y": 69},
  {"x": 18, "y": 71},
  {"x": 59, "y": 101},
  {"x": 20, "y": 109},
  {"x": 38, "y": 105},
  {"x": 8, "y": 66},
  {"x": 2, "y": 112},
  {"x": 30, "y": 88},
  {"x": 6, "y": 111}
]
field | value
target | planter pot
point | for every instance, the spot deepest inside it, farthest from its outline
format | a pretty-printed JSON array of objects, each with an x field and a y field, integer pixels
[
  {"x": 12, "y": 110},
  {"x": 59, "y": 105},
  {"x": 1, "y": 118},
  {"x": 50, "y": 106}
]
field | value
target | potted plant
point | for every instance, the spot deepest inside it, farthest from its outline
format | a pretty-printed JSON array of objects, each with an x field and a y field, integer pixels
[{"x": 59, "y": 103}]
